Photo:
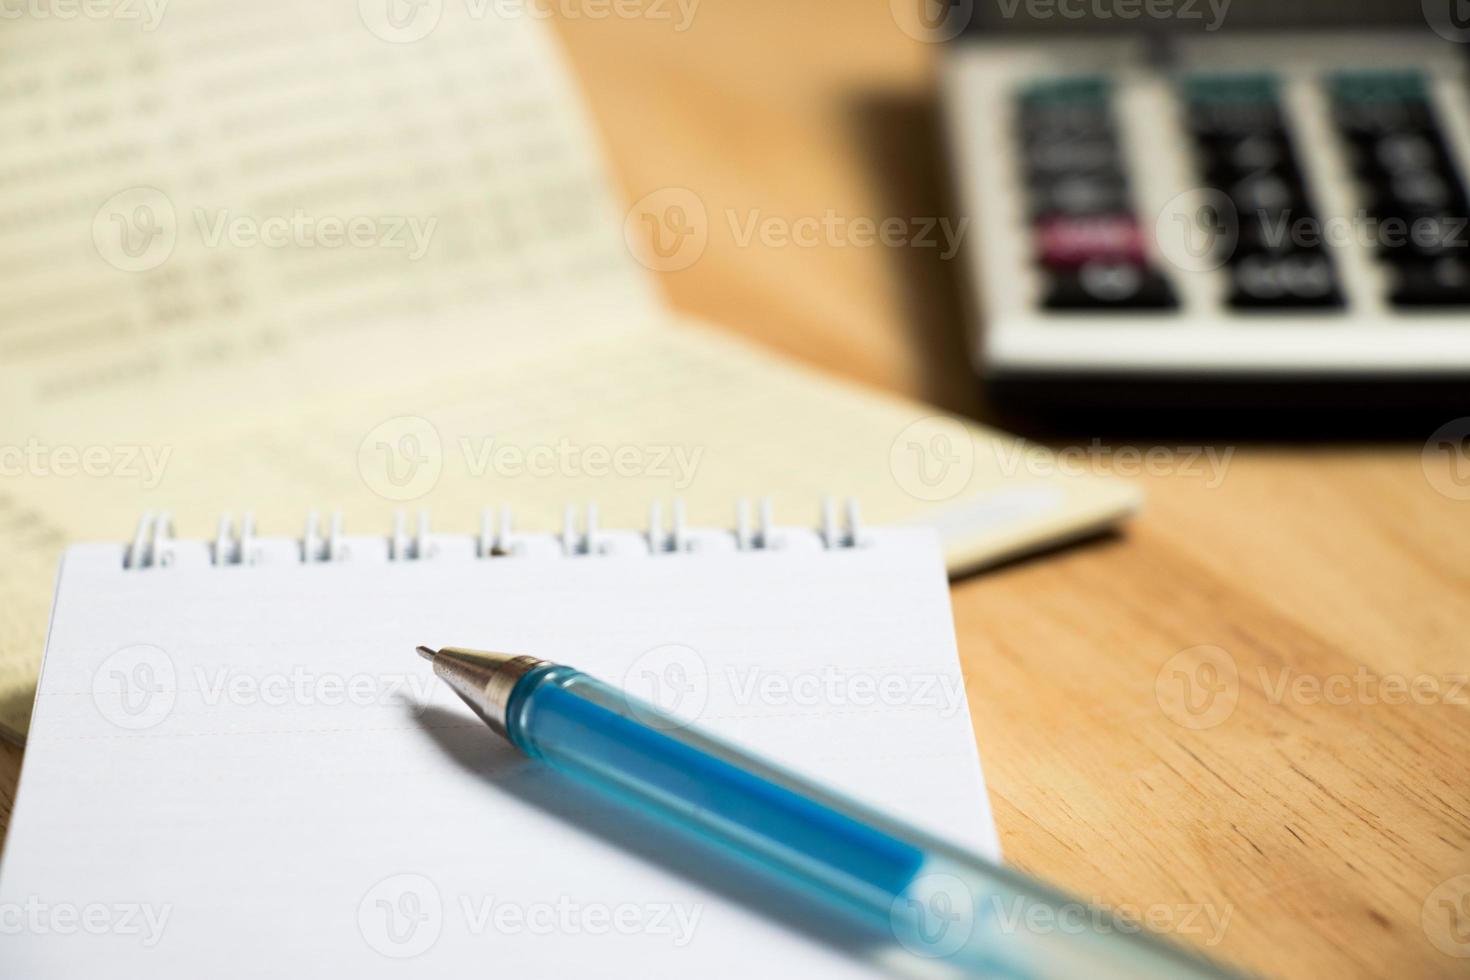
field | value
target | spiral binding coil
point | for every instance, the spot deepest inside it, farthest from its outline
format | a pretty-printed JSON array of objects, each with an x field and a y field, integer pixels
[{"x": 154, "y": 545}]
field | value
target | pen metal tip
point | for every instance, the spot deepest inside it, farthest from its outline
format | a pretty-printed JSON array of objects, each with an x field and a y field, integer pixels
[{"x": 427, "y": 653}]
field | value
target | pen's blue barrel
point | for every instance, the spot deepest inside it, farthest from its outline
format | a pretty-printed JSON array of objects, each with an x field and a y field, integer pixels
[{"x": 948, "y": 911}]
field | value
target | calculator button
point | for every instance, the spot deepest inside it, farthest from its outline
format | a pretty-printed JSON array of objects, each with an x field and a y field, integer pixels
[
  {"x": 1068, "y": 243},
  {"x": 1418, "y": 192},
  {"x": 1268, "y": 194},
  {"x": 1080, "y": 195},
  {"x": 1424, "y": 236},
  {"x": 1297, "y": 280},
  {"x": 1107, "y": 286},
  {"x": 1440, "y": 282},
  {"x": 1073, "y": 156},
  {"x": 1408, "y": 151}
]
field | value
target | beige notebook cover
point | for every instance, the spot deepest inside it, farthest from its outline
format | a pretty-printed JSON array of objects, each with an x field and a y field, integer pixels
[{"x": 281, "y": 257}]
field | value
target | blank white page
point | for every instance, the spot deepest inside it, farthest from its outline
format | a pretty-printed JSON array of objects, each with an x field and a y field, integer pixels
[{"x": 243, "y": 770}]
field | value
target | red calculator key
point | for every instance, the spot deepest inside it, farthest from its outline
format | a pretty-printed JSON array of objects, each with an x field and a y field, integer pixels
[{"x": 1070, "y": 242}]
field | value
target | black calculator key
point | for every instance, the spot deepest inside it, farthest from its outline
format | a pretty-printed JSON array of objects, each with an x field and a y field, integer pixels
[
  {"x": 1266, "y": 194},
  {"x": 1079, "y": 195},
  {"x": 1365, "y": 123},
  {"x": 1369, "y": 105},
  {"x": 1109, "y": 286},
  {"x": 1090, "y": 157},
  {"x": 1065, "y": 109},
  {"x": 1298, "y": 280},
  {"x": 1423, "y": 236},
  {"x": 1233, "y": 119},
  {"x": 1440, "y": 282},
  {"x": 1251, "y": 153},
  {"x": 1282, "y": 233},
  {"x": 1232, "y": 106},
  {"x": 1420, "y": 192},
  {"x": 1411, "y": 151}
]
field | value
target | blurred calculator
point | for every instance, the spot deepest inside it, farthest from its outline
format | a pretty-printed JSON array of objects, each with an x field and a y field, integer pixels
[{"x": 1248, "y": 216}]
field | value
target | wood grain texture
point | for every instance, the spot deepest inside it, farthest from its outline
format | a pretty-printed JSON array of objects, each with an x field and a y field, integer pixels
[{"x": 1300, "y": 835}]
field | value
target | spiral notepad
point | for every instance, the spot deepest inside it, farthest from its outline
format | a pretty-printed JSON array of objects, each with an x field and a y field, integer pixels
[{"x": 234, "y": 739}]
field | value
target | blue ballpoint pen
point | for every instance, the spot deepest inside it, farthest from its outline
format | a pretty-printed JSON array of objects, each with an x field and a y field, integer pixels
[{"x": 941, "y": 910}]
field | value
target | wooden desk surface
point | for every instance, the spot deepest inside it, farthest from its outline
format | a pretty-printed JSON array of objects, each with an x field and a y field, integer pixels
[{"x": 1314, "y": 822}]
